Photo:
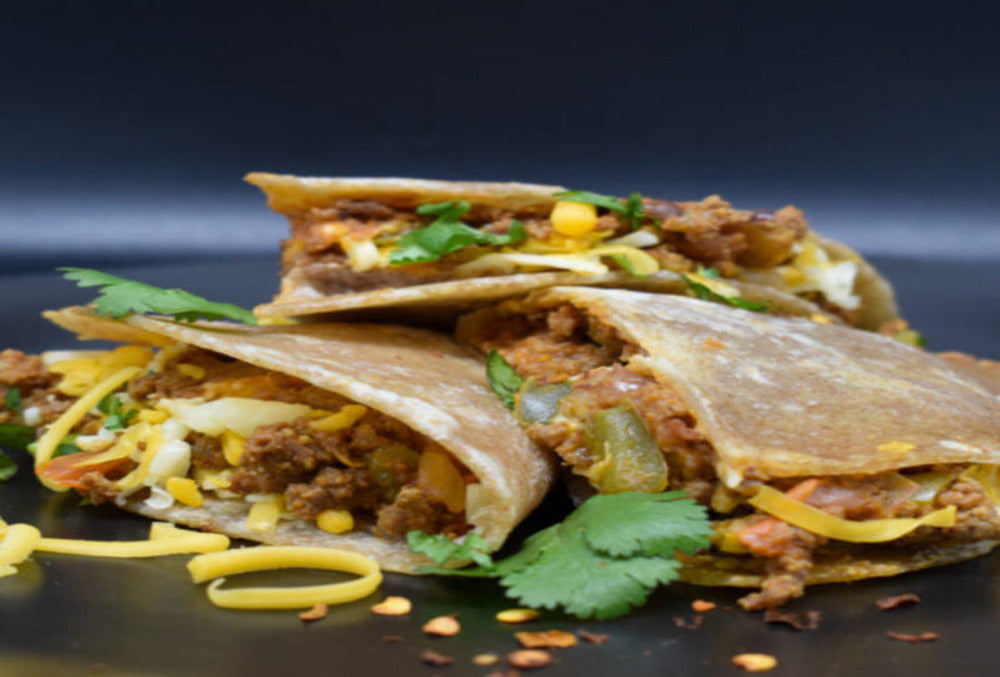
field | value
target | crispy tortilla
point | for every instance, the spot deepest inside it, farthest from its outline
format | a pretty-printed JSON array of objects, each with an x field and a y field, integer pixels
[
  {"x": 438, "y": 299},
  {"x": 782, "y": 397},
  {"x": 420, "y": 378}
]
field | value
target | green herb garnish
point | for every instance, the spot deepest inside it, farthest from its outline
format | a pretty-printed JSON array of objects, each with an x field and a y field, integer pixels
[
  {"x": 442, "y": 549},
  {"x": 8, "y": 467},
  {"x": 119, "y": 297},
  {"x": 116, "y": 417},
  {"x": 447, "y": 234},
  {"x": 16, "y": 436},
  {"x": 503, "y": 378},
  {"x": 703, "y": 292},
  {"x": 601, "y": 561},
  {"x": 910, "y": 337},
  {"x": 12, "y": 401},
  {"x": 631, "y": 209}
]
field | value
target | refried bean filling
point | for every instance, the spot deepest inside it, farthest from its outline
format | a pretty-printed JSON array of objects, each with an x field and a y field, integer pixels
[{"x": 564, "y": 344}]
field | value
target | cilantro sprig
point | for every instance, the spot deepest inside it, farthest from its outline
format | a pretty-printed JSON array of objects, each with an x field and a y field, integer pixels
[
  {"x": 503, "y": 378},
  {"x": 631, "y": 209},
  {"x": 601, "y": 561},
  {"x": 119, "y": 297},
  {"x": 703, "y": 292},
  {"x": 447, "y": 234},
  {"x": 116, "y": 416},
  {"x": 12, "y": 400}
]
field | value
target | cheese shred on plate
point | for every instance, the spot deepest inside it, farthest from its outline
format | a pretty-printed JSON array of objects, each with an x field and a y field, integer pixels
[
  {"x": 19, "y": 541},
  {"x": 164, "y": 539},
  {"x": 816, "y": 521},
  {"x": 216, "y": 565}
]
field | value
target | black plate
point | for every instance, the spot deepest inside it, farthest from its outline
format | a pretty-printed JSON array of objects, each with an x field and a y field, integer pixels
[{"x": 63, "y": 615}]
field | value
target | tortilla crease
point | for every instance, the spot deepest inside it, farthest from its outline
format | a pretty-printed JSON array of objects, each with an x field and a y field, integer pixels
[
  {"x": 444, "y": 300},
  {"x": 418, "y": 377},
  {"x": 786, "y": 397}
]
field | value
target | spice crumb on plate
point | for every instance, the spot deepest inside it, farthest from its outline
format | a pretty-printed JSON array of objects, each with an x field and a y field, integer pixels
[
  {"x": 897, "y": 601},
  {"x": 549, "y": 639}
]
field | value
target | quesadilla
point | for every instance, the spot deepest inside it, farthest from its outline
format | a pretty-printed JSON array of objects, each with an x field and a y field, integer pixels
[
  {"x": 825, "y": 454},
  {"x": 346, "y": 436},
  {"x": 419, "y": 248}
]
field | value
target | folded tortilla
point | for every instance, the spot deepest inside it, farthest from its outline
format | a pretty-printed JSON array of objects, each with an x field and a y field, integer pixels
[
  {"x": 757, "y": 416},
  {"x": 423, "y": 398},
  {"x": 346, "y": 231}
]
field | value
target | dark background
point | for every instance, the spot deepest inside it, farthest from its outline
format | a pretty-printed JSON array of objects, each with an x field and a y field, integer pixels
[{"x": 126, "y": 126}]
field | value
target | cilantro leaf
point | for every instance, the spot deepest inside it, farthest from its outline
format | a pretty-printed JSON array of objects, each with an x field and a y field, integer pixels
[
  {"x": 631, "y": 209},
  {"x": 119, "y": 297},
  {"x": 12, "y": 400},
  {"x": 567, "y": 572},
  {"x": 703, "y": 292},
  {"x": 602, "y": 560},
  {"x": 16, "y": 436},
  {"x": 657, "y": 524},
  {"x": 66, "y": 447},
  {"x": 8, "y": 467},
  {"x": 442, "y": 550},
  {"x": 503, "y": 378},
  {"x": 447, "y": 234},
  {"x": 116, "y": 418}
]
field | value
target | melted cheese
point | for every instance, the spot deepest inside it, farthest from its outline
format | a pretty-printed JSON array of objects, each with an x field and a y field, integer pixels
[{"x": 213, "y": 566}]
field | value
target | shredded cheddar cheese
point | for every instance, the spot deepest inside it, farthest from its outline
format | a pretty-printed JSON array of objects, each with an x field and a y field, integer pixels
[
  {"x": 348, "y": 415},
  {"x": 191, "y": 371},
  {"x": 164, "y": 539},
  {"x": 185, "y": 491},
  {"x": 214, "y": 566},
  {"x": 60, "y": 428},
  {"x": 83, "y": 373},
  {"x": 813, "y": 520},
  {"x": 19, "y": 541},
  {"x": 232, "y": 447}
]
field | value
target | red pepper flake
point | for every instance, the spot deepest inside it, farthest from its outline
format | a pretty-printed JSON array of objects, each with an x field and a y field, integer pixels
[
  {"x": 436, "y": 659},
  {"x": 505, "y": 673},
  {"x": 890, "y": 603},
  {"x": 799, "y": 620},
  {"x": 592, "y": 637},
  {"x": 318, "y": 612},
  {"x": 702, "y": 606},
  {"x": 692, "y": 623},
  {"x": 913, "y": 639},
  {"x": 391, "y": 639}
]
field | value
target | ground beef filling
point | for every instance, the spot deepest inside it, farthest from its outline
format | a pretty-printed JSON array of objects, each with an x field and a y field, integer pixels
[
  {"x": 706, "y": 233},
  {"x": 313, "y": 470},
  {"x": 35, "y": 386}
]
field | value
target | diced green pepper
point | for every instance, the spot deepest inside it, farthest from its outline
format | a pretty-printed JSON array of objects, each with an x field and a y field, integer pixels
[
  {"x": 387, "y": 464},
  {"x": 626, "y": 455}
]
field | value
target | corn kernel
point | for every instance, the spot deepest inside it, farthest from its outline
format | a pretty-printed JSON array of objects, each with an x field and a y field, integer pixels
[
  {"x": 573, "y": 218},
  {"x": 335, "y": 521},
  {"x": 185, "y": 491},
  {"x": 345, "y": 418},
  {"x": 191, "y": 371},
  {"x": 151, "y": 416},
  {"x": 232, "y": 447}
]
